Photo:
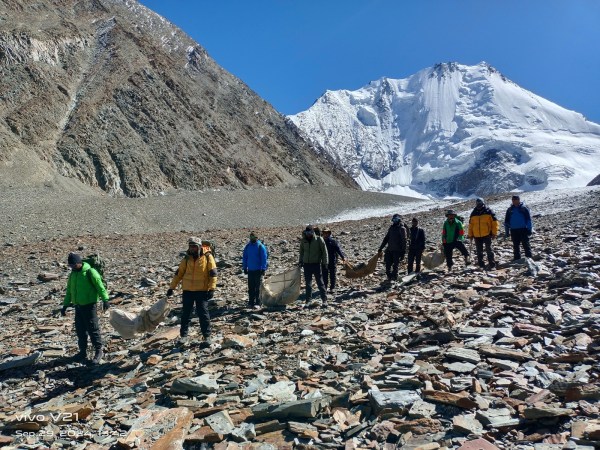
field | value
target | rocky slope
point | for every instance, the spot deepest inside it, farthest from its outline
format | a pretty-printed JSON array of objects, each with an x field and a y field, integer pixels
[
  {"x": 453, "y": 129},
  {"x": 110, "y": 94},
  {"x": 504, "y": 359}
]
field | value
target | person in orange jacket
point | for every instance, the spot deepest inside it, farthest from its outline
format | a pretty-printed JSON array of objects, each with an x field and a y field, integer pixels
[
  {"x": 198, "y": 272},
  {"x": 483, "y": 227}
]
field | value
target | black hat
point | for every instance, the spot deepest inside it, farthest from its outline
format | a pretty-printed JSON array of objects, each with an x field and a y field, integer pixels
[
  {"x": 309, "y": 228},
  {"x": 74, "y": 258}
]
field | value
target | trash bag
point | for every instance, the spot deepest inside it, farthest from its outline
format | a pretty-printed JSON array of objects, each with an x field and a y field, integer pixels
[
  {"x": 362, "y": 269},
  {"x": 432, "y": 260},
  {"x": 280, "y": 289},
  {"x": 128, "y": 324}
]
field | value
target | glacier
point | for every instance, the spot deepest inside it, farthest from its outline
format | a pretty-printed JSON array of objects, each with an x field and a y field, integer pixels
[{"x": 452, "y": 130}]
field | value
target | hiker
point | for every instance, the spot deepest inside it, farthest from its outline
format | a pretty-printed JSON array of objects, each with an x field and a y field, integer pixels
[
  {"x": 254, "y": 264},
  {"x": 313, "y": 256},
  {"x": 84, "y": 288},
  {"x": 483, "y": 227},
  {"x": 453, "y": 235},
  {"x": 518, "y": 223},
  {"x": 333, "y": 251},
  {"x": 395, "y": 239},
  {"x": 416, "y": 246},
  {"x": 198, "y": 271}
]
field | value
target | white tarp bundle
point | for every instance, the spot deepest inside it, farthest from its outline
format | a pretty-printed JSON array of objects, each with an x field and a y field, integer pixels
[
  {"x": 281, "y": 289},
  {"x": 128, "y": 324},
  {"x": 433, "y": 259}
]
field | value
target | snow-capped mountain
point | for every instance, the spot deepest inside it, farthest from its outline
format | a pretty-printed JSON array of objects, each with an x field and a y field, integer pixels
[{"x": 453, "y": 130}]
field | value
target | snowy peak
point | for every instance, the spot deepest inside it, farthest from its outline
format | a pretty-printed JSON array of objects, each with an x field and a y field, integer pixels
[{"x": 452, "y": 129}]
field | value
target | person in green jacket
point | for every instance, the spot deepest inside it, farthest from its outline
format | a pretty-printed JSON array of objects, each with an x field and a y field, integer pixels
[
  {"x": 453, "y": 235},
  {"x": 84, "y": 288},
  {"x": 313, "y": 256}
]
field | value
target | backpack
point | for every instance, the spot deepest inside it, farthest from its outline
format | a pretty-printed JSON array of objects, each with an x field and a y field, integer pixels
[
  {"x": 97, "y": 263},
  {"x": 267, "y": 250},
  {"x": 208, "y": 246}
]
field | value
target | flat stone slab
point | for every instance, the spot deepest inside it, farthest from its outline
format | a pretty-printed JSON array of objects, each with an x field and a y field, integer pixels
[
  {"x": 393, "y": 401},
  {"x": 463, "y": 354}
]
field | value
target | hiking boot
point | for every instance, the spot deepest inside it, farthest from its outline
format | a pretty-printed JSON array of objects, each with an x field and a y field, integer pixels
[
  {"x": 492, "y": 266},
  {"x": 208, "y": 340},
  {"x": 98, "y": 356},
  {"x": 81, "y": 356}
]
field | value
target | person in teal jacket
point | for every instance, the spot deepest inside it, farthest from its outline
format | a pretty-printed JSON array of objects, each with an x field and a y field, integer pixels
[{"x": 84, "y": 289}]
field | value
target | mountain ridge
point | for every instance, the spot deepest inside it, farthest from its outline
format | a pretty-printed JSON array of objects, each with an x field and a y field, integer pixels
[
  {"x": 108, "y": 93},
  {"x": 448, "y": 130}
]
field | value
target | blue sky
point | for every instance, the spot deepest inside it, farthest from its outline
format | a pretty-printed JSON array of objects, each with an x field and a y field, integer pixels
[{"x": 290, "y": 52}]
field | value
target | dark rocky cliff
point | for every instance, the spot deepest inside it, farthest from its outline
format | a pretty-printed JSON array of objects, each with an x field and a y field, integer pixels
[{"x": 113, "y": 95}]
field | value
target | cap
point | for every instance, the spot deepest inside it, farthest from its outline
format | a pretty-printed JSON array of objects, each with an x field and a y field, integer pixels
[
  {"x": 309, "y": 228},
  {"x": 326, "y": 230},
  {"x": 450, "y": 212},
  {"x": 479, "y": 200},
  {"x": 195, "y": 241},
  {"x": 74, "y": 258}
]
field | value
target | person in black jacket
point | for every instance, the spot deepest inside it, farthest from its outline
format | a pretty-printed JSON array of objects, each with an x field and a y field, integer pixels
[
  {"x": 333, "y": 251},
  {"x": 395, "y": 239},
  {"x": 416, "y": 245}
]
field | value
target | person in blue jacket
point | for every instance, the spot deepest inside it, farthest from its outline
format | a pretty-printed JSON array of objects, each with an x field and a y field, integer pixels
[
  {"x": 518, "y": 223},
  {"x": 333, "y": 251},
  {"x": 254, "y": 263}
]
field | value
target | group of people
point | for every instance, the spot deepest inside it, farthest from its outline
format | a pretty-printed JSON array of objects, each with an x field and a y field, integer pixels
[
  {"x": 319, "y": 254},
  {"x": 483, "y": 227}
]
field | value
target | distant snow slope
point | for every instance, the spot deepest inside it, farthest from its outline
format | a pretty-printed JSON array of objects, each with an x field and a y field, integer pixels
[{"x": 453, "y": 130}]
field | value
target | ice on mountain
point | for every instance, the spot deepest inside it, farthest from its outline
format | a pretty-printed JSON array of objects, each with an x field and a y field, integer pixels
[{"x": 433, "y": 133}]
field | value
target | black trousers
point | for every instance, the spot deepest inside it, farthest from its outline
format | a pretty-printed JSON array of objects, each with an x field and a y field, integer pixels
[
  {"x": 200, "y": 299},
  {"x": 480, "y": 242},
  {"x": 314, "y": 270},
  {"x": 414, "y": 256},
  {"x": 449, "y": 249},
  {"x": 86, "y": 323},
  {"x": 392, "y": 260},
  {"x": 519, "y": 236},
  {"x": 329, "y": 275},
  {"x": 254, "y": 277}
]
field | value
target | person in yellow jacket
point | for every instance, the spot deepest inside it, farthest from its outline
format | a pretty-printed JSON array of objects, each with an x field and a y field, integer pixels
[
  {"x": 198, "y": 272},
  {"x": 483, "y": 227}
]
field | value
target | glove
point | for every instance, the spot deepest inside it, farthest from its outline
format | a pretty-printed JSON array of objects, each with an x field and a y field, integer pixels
[
  {"x": 245, "y": 271},
  {"x": 210, "y": 294},
  {"x": 105, "y": 306},
  {"x": 63, "y": 311},
  {"x": 262, "y": 272},
  {"x": 169, "y": 292}
]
